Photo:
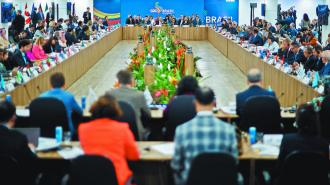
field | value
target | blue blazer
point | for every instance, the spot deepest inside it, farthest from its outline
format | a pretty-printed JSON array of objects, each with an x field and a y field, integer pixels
[
  {"x": 325, "y": 71},
  {"x": 241, "y": 98},
  {"x": 257, "y": 40}
]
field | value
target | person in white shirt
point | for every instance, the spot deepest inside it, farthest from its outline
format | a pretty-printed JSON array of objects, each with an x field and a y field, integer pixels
[{"x": 271, "y": 45}]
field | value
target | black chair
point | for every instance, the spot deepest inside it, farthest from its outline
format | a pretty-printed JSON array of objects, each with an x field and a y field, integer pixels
[
  {"x": 262, "y": 112},
  {"x": 213, "y": 169},
  {"x": 304, "y": 168},
  {"x": 180, "y": 110},
  {"x": 92, "y": 169},
  {"x": 129, "y": 117},
  {"x": 10, "y": 172},
  {"x": 325, "y": 118},
  {"x": 47, "y": 114}
]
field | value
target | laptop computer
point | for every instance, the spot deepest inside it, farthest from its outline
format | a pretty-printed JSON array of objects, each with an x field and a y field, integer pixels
[{"x": 32, "y": 134}]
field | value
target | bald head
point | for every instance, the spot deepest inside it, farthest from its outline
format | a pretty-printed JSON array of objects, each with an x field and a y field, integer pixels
[{"x": 254, "y": 76}]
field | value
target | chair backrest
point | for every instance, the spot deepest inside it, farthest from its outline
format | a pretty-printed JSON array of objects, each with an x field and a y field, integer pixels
[
  {"x": 325, "y": 118},
  {"x": 305, "y": 168},
  {"x": 129, "y": 117},
  {"x": 262, "y": 112},
  {"x": 213, "y": 169},
  {"x": 180, "y": 110},
  {"x": 92, "y": 169},
  {"x": 9, "y": 170},
  {"x": 47, "y": 113}
]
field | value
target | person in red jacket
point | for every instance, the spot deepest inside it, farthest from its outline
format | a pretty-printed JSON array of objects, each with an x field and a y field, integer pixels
[{"x": 107, "y": 137}]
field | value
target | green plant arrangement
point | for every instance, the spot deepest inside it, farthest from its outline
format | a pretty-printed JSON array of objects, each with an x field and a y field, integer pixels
[{"x": 167, "y": 56}]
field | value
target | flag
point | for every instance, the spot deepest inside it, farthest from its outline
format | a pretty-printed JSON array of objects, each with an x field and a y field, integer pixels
[
  {"x": 41, "y": 13},
  {"x": 46, "y": 9},
  {"x": 27, "y": 14},
  {"x": 2, "y": 85},
  {"x": 32, "y": 9}
]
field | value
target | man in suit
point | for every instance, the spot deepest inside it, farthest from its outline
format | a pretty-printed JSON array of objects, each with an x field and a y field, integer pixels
[
  {"x": 255, "y": 89},
  {"x": 311, "y": 60},
  {"x": 20, "y": 57},
  {"x": 87, "y": 16},
  {"x": 19, "y": 22},
  {"x": 70, "y": 38},
  {"x": 257, "y": 40},
  {"x": 34, "y": 17},
  {"x": 325, "y": 71},
  {"x": 50, "y": 16},
  {"x": 204, "y": 133},
  {"x": 317, "y": 53},
  {"x": 15, "y": 145},
  {"x": 295, "y": 54},
  {"x": 134, "y": 97},
  {"x": 57, "y": 82}
]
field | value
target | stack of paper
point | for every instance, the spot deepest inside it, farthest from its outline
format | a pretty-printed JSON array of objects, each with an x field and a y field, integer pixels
[
  {"x": 71, "y": 153},
  {"x": 47, "y": 144},
  {"x": 273, "y": 139},
  {"x": 266, "y": 150},
  {"x": 166, "y": 149}
]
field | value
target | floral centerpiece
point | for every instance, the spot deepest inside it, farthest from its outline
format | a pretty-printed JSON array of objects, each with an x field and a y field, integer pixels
[{"x": 168, "y": 56}]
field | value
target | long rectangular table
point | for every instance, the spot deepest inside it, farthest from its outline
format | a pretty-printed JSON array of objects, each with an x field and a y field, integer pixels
[
  {"x": 290, "y": 90},
  {"x": 72, "y": 68},
  {"x": 183, "y": 33}
]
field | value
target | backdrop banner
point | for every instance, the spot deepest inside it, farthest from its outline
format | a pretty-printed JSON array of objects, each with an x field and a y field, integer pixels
[
  {"x": 161, "y": 8},
  {"x": 210, "y": 11},
  {"x": 217, "y": 9}
]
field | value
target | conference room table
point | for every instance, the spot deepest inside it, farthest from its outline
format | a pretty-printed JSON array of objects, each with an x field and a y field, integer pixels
[
  {"x": 153, "y": 167},
  {"x": 290, "y": 90},
  {"x": 73, "y": 68}
]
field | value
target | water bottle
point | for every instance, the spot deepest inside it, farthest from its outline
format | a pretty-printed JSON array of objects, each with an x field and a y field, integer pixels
[
  {"x": 59, "y": 134},
  {"x": 83, "y": 102},
  {"x": 8, "y": 98},
  {"x": 253, "y": 135}
]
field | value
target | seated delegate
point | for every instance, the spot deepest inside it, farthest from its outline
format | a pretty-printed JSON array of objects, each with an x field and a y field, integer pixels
[{"x": 107, "y": 137}]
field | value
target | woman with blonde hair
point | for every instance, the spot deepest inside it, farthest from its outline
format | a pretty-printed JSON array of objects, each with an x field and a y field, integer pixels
[{"x": 37, "y": 49}]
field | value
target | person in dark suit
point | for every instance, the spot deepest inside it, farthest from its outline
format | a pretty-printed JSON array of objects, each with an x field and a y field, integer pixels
[
  {"x": 282, "y": 53},
  {"x": 79, "y": 29},
  {"x": 317, "y": 53},
  {"x": 255, "y": 89},
  {"x": 70, "y": 38},
  {"x": 19, "y": 22},
  {"x": 15, "y": 145},
  {"x": 325, "y": 71},
  {"x": 50, "y": 16},
  {"x": 87, "y": 16},
  {"x": 311, "y": 60},
  {"x": 84, "y": 33},
  {"x": 129, "y": 20},
  {"x": 307, "y": 139},
  {"x": 34, "y": 17},
  {"x": 20, "y": 58},
  {"x": 257, "y": 40},
  {"x": 30, "y": 31},
  {"x": 52, "y": 45},
  {"x": 295, "y": 54},
  {"x": 106, "y": 22}
]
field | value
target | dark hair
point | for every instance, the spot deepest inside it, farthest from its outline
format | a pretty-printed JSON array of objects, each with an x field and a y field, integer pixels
[
  {"x": 255, "y": 30},
  {"x": 23, "y": 43},
  {"x": 85, "y": 28},
  {"x": 295, "y": 44},
  {"x": 7, "y": 111},
  {"x": 187, "y": 85},
  {"x": 106, "y": 107},
  {"x": 124, "y": 77},
  {"x": 307, "y": 120},
  {"x": 69, "y": 30},
  {"x": 305, "y": 17},
  {"x": 57, "y": 80},
  {"x": 318, "y": 49},
  {"x": 80, "y": 23},
  {"x": 205, "y": 96},
  {"x": 309, "y": 50}
]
